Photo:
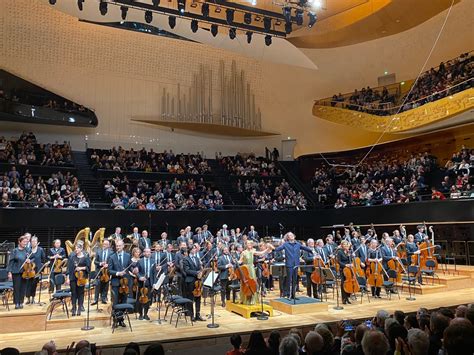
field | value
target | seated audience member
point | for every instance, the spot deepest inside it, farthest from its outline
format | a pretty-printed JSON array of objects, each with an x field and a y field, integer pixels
[
  {"x": 374, "y": 342},
  {"x": 313, "y": 343},
  {"x": 256, "y": 345},
  {"x": 438, "y": 323},
  {"x": 154, "y": 349},
  {"x": 236, "y": 342},
  {"x": 289, "y": 346},
  {"x": 50, "y": 348},
  {"x": 458, "y": 339},
  {"x": 274, "y": 342}
]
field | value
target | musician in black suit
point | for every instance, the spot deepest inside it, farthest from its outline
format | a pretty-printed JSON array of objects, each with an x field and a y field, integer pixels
[
  {"x": 192, "y": 268},
  {"x": 77, "y": 262},
  {"x": 388, "y": 252},
  {"x": 308, "y": 258},
  {"x": 101, "y": 262},
  {"x": 145, "y": 278},
  {"x": 38, "y": 256},
  {"x": 118, "y": 263},
  {"x": 421, "y": 235},
  {"x": 343, "y": 258},
  {"x": 55, "y": 253},
  {"x": 206, "y": 232},
  {"x": 253, "y": 234},
  {"x": 144, "y": 241},
  {"x": 182, "y": 237},
  {"x": 279, "y": 257},
  {"x": 164, "y": 241},
  {"x": 178, "y": 264},
  {"x": 413, "y": 249},
  {"x": 362, "y": 252},
  {"x": 224, "y": 263},
  {"x": 18, "y": 257},
  {"x": 117, "y": 234},
  {"x": 374, "y": 255},
  {"x": 199, "y": 236}
]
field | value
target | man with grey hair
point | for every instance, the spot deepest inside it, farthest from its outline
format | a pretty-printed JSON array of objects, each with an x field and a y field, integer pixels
[
  {"x": 380, "y": 319},
  {"x": 374, "y": 342},
  {"x": 418, "y": 342},
  {"x": 311, "y": 287},
  {"x": 313, "y": 342},
  {"x": 288, "y": 346}
]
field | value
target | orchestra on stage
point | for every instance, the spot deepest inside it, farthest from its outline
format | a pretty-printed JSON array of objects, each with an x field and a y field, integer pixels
[{"x": 138, "y": 269}]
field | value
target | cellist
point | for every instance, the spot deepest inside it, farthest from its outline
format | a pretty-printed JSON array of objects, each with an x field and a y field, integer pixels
[
  {"x": 421, "y": 235},
  {"x": 344, "y": 259},
  {"x": 373, "y": 255},
  {"x": 308, "y": 257},
  {"x": 389, "y": 253},
  {"x": 362, "y": 252},
  {"x": 413, "y": 249}
]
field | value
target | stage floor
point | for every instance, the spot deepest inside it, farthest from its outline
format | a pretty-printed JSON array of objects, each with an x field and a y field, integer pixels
[{"x": 186, "y": 336}]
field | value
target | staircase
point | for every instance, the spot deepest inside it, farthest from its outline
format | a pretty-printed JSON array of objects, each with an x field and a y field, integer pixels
[
  {"x": 88, "y": 182},
  {"x": 228, "y": 191},
  {"x": 290, "y": 171}
]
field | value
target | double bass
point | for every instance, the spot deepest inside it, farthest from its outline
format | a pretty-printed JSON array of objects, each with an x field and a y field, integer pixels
[{"x": 426, "y": 252}]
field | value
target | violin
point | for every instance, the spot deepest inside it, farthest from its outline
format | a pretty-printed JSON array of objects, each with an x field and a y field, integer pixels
[
  {"x": 135, "y": 285},
  {"x": 123, "y": 288},
  {"x": 105, "y": 277},
  {"x": 265, "y": 270},
  {"x": 197, "y": 292},
  {"x": 58, "y": 266},
  {"x": 28, "y": 269},
  {"x": 81, "y": 278},
  {"x": 144, "y": 295}
]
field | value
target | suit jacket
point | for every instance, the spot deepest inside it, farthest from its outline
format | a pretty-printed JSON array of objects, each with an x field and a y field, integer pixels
[
  {"x": 330, "y": 249},
  {"x": 38, "y": 258},
  {"x": 387, "y": 254},
  {"x": 419, "y": 237},
  {"x": 178, "y": 262},
  {"x": 142, "y": 271},
  {"x": 343, "y": 259},
  {"x": 362, "y": 253},
  {"x": 17, "y": 258},
  {"x": 100, "y": 256},
  {"x": 221, "y": 265},
  {"x": 292, "y": 252},
  {"x": 253, "y": 235},
  {"x": 191, "y": 267},
  {"x": 199, "y": 238},
  {"x": 115, "y": 266},
  {"x": 144, "y": 243},
  {"x": 411, "y": 248},
  {"x": 182, "y": 239},
  {"x": 60, "y": 251},
  {"x": 75, "y": 261}
]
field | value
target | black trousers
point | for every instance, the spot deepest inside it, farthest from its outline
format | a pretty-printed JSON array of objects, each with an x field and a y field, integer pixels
[
  {"x": 311, "y": 287},
  {"x": 291, "y": 281},
  {"x": 117, "y": 297},
  {"x": 375, "y": 290},
  {"x": 77, "y": 296},
  {"x": 189, "y": 288},
  {"x": 52, "y": 284},
  {"x": 19, "y": 289},
  {"x": 225, "y": 290},
  {"x": 31, "y": 285},
  {"x": 101, "y": 289}
]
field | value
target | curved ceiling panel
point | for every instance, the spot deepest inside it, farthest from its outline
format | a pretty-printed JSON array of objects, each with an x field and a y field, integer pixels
[{"x": 280, "y": 51}]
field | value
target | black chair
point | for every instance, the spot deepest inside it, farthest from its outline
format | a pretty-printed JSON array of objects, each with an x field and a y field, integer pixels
[
  {"x": 234, "y": 288},
  {"x": 412, "y": 277},
  {"x": 430, "y": 271},
  {"x": 60, "y": 297},
  {"x": 120, "y": 313},
  {"x": 390, "y": 285},
  {"x": 182, "y": 310},
  {"x": 363, "y": 288},
  {"x": 6, "y": 288}
]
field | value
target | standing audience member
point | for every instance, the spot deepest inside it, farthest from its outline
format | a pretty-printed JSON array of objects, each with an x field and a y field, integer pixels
[
  {"x": 256, "y": 345},
  {"x": 374, "y": 342},
  {"x": 289, "y": 345},
  {"x": 274, "y": 342}
]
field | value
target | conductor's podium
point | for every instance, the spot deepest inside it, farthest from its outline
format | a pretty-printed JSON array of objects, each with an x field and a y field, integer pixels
[
  {"x": 301, "y": 305},
  {"x": 246, "y": 311}
]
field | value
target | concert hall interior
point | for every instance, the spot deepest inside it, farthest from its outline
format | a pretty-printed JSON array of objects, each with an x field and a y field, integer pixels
[{"x": 237, "y": 177}]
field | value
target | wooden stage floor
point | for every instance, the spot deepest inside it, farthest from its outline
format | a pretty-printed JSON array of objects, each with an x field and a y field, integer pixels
[{"x": 185, "y": 336}]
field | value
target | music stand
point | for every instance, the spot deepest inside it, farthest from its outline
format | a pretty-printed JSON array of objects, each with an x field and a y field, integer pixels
[
  {"x": 157, "y": 288},
  {"x": 209, "y": 282},
  {"x": 333, "y": 277}
]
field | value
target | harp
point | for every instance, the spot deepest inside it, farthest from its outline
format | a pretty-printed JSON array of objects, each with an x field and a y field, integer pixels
[{"x": 81, "y": 236}]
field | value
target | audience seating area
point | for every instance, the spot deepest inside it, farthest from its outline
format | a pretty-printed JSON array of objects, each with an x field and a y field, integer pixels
[
  {"x": 44, "y": 175},
  {"x": 447, "y": 79}
]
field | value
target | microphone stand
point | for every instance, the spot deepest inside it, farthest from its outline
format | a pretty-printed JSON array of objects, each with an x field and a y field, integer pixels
[
  {"x": 87, "y": 325},
  {"x": 262, "y": 315},
  {"x": 212, "y": 324},
  {"x": 338, "y": 306}
]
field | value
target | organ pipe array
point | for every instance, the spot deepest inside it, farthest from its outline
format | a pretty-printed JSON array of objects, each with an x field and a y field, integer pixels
[{"x": 231, "y": 104}]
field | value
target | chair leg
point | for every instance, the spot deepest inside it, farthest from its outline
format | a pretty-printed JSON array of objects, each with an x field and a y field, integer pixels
[
  {"x": 67, "y": 311},
  {"x": 129, "y": 323}
]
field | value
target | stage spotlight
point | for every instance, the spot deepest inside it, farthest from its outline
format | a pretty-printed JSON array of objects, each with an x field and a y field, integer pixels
[
  {"x": 267, "y": 23},
  {"x": 194, "y": 26},
  {"x": 312, "y": 19},
  {"x": 80, "y": 4},
  {"x": 229, "y": 14},
  {"x": 124, "y": 11},
  {"x": 232, "y": 33},
  {"x": 172, "y": 21},
  {"x": 248, "y": 18},
  {"x": 249, "y": 36},
  {"x": 181, "y": 6},
  {"x": 268, "y": 40},
  {"x": 52, "y": 2},
  {"x": 214, "y": 29},
  {"x": 156, "y": 3},
  {"x": 288, "y": 28},
  {"x": 205, "y": 9},
  {"x": 103, "y": 8},
  {"x": 148, "y": 16},
  {"x": 287, "y": 13}
]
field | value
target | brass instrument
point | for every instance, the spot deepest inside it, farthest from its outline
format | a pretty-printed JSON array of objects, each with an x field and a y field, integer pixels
[{"x": 81, "y": 236}]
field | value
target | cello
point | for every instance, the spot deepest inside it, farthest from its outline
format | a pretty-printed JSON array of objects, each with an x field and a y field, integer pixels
[
  {"x": 248, "y": 285},
  {"x": 351, "y": 285},
  {"x": 317, "y": 275}
]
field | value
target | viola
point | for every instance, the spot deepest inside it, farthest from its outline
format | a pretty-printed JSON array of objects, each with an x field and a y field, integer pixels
[
  {"x": 29, "y": 271},
  {"x": 265, "y": 270},
  {"x": 144, "y": 295},
  {"x": 135, "y": 285}
]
